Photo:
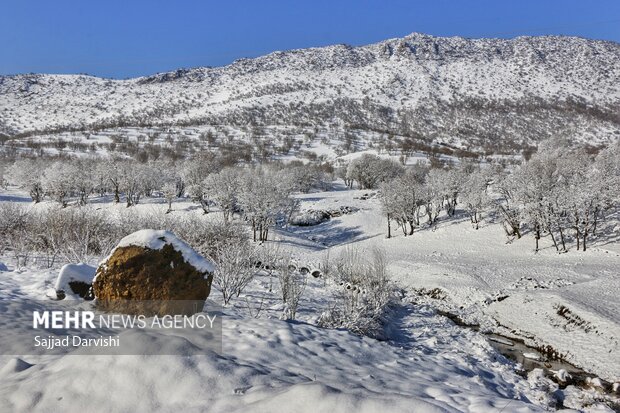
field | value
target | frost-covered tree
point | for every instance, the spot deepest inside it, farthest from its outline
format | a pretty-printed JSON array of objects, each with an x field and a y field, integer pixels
[
  {"x": 307, "y": 177},
  {"x": 292, "y": 285},
  {"x": 110, "y": 173},
  {"x": 57, "y": 182},
  {"x": 152, "y": 176},
  {"x": 3, "y": 168},
  {"x": 446, "y": 184},
  {"x": 401, "y": 199},
  {"x": 82, "y": 177},
  {"x": 474, "y": 195},
  {"x": 562, "y": 189},
  {"x": 507, "y": 205},
  {"x": 364, "y": 293},
  {"x": 234, "y": 270},
  {"x": 370, "y": 170},
  {"x": 194, "y": 173},
  {"x": 534, "y": 186},
  {"x": 28, "y": 174},
  {"x": 224, "y": 188},
  {"x": 169, "y": 191},
  {"x": 265, "y": 195},
  {"x": 606, "y": 176},
  {"x": 130, "y": 180}
]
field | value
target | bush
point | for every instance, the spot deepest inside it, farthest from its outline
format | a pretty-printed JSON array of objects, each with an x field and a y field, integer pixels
[
  {"x": 292, "y": 286},
  {"x": 363, "y": 295},
  {"x": 85, "y": 234}
]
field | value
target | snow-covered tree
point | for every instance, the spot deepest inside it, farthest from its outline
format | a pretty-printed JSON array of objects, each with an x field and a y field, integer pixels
[
  {"x": 474, "y": 195},
  {"x": 224, "y": 188},
  {"x": 58, "y": 182},
  {"x": 169, "y": 191},
  {"x": 194, "y": 173},
  {"x": 370, "y": 170},
  {"x": 507, "y": 205},
  {"x": 235, "y": 269},
  {"x": 264, "y": 196},
  {"x": 28, "y": 175},
  {"x": 82, "y": 177},
  {"x": 130, "y": 180},
  {"x": 446, "y": 184},
  {"x": 401, "y": 199},
  {"x": 109, "y": 173}
]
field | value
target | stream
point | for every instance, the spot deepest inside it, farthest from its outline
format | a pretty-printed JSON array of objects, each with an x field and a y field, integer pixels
[{"x": 531, "y": 358}]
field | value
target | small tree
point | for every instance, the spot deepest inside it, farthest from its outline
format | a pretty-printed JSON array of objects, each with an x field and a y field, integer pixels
[
  {"x": 170, "y": 193},
  {"x": 28, "y": 174},
  {"x": 474, "y": 196},
  {"x": 235, "y": 269},
  {"x": 57, "y": 182}
]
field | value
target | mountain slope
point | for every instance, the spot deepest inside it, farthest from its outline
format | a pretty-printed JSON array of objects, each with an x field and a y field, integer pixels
[{"x": 469, "y": 92}]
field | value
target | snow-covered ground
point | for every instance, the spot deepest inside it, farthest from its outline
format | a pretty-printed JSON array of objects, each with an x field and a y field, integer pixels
[
  {"x": 502, "y": 286},
  {"x": 428, "y": 364}
]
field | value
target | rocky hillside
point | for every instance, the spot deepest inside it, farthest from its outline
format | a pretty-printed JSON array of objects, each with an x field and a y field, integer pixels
[{"x": 469, "y": 93}]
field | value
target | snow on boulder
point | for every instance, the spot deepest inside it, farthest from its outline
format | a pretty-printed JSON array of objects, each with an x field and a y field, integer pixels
[
  {"x": 3, "y": 267},
  {"x": 75, "y": 281},
  {"x": 157, "y": 267}
]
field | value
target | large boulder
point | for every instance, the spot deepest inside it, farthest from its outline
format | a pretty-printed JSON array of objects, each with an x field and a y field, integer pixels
[{"x": 154, "y": 273}]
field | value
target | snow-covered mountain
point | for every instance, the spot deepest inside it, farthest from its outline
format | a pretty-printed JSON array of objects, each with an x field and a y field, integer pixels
[{"x": 472, "y": 93}]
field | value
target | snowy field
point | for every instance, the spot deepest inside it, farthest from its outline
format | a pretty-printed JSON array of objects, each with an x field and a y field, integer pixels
[{"x": 425, "y": 362}]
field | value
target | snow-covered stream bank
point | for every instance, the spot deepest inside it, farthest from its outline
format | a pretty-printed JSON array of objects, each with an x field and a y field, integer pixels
[{"x": 550, "y": 364}]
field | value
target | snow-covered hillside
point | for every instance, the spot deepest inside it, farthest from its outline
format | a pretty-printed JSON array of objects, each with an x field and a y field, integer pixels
[{"x": 468, "y": 93}]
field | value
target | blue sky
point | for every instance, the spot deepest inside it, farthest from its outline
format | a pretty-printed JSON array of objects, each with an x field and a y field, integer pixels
[{"x": 128, "y": 38}]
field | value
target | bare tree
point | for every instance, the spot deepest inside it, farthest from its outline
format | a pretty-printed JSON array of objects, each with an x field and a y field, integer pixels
[{"x": 235, "y": 269}]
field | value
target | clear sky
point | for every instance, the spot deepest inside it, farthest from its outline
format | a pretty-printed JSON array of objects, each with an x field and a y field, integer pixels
[{"x": 125, "y": 38}]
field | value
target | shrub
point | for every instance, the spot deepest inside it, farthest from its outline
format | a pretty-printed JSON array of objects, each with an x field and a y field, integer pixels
[{"x": 363, "y": 294}]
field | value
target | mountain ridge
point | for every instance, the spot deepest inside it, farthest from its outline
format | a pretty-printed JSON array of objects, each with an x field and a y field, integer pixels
[{"x": 442, "y": 88}]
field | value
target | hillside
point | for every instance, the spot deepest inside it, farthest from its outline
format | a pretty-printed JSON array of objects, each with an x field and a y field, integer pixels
[{"x": 491, "y": 94}]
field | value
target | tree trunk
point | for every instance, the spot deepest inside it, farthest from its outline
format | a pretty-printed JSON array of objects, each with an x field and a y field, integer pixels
[
  {"x": 562, "y": 239},
  {"x": 389, "y": 228},
  {"x": 554, "y": 242},
  {"x": 585, "y": 236},
  {"x": 578, "y": 240},
  {"x": 596, "y": 212}
]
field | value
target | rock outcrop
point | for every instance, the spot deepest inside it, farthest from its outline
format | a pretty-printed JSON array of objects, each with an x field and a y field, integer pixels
[{"x": 153, "y": 273}]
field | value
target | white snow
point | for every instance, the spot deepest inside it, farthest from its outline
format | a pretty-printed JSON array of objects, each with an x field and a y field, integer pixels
[
  {"x": 74, "y": 272},
  {"x": 268, "y": 365},
  {"x": 157, "y": 239},
  {"x": 428, "y": 363}
]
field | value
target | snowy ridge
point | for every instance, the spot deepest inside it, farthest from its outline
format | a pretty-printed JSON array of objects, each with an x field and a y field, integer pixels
[{"x": 445, "y": 89}]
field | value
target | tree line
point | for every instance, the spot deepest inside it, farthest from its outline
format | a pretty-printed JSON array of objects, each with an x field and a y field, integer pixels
[{"x": 562, "y": 191}]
